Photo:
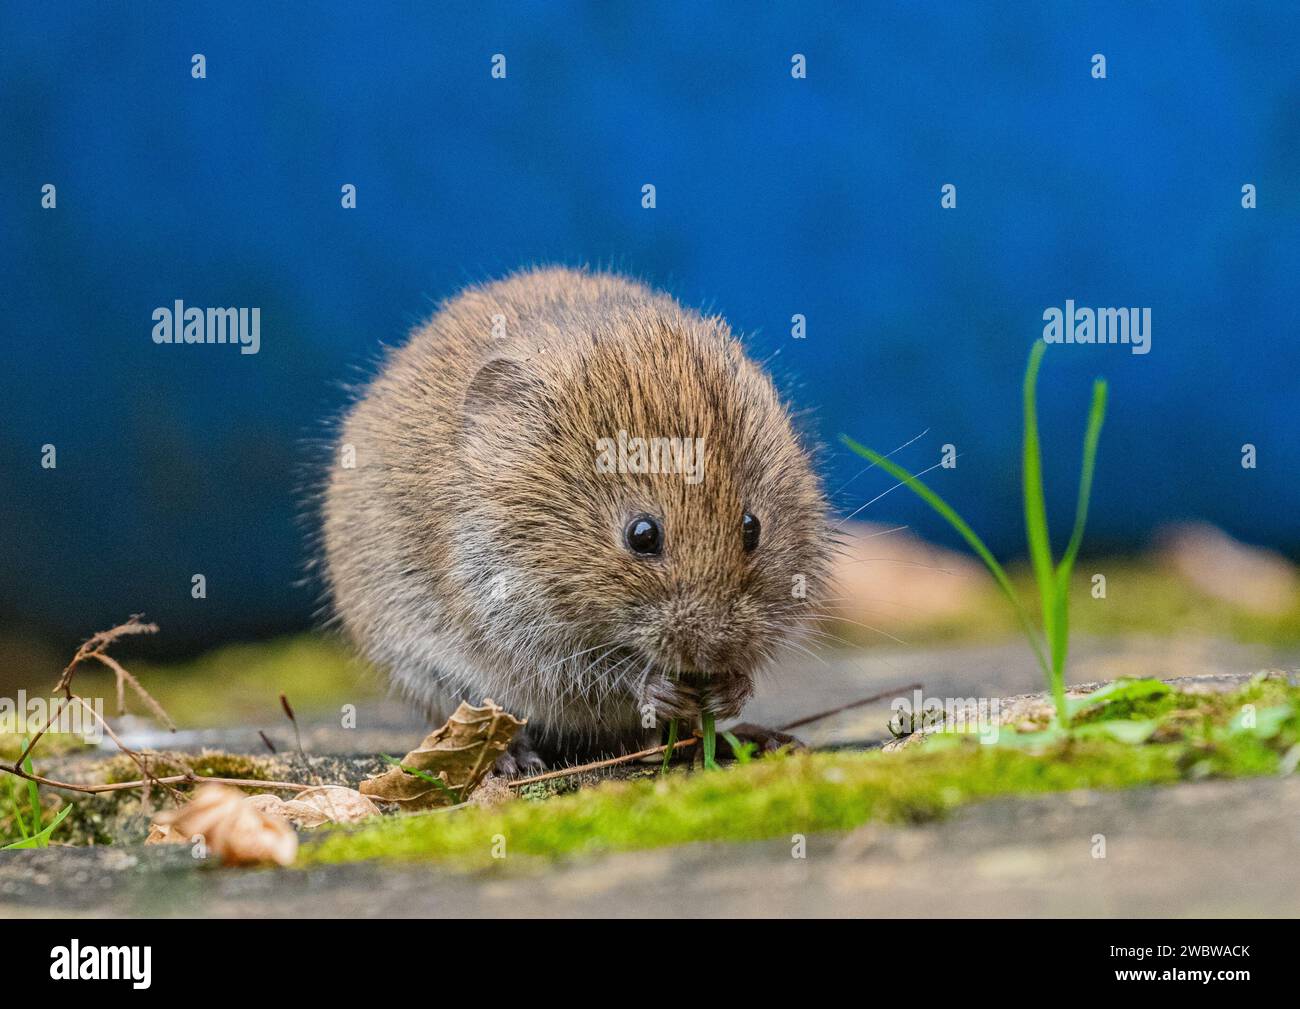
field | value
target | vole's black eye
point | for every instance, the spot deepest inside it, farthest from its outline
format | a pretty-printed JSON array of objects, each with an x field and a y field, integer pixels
[
  {"x": 750, "y": 528},
  {"x": 644, "y": 536}
]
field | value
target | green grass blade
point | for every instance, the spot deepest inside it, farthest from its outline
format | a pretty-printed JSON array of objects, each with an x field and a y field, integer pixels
[
  {"x": 1053, "y": 580},
  {"x": 1091, "y": 438},
  {"x": 1036, "y": 528},
  {"x": 1065, "y": 570},
  {"x": 710, "y": 740},
  {"x": 16, "y": 802},
  {"x": 672, "y": 741},
  {"x": 41, "y": 839},
  {"x": 967, "y": 533},
  {"x": 33, "y": 792}
]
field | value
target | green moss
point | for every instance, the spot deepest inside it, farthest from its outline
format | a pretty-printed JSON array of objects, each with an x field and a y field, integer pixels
[
  {"x": 209, "y": 763},
  {"x": 1179, "y": 708},
  {"x": 99, "y": 819},
  {"x": 806, "y": 793}
]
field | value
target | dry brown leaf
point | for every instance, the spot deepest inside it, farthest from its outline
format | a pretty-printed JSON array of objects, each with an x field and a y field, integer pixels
[
  {"x": 233, "y": 830},
  {"x": 164, "y": 833},
  {"x": 314, "y": 806},
  {"x": 459, "y": 754}
]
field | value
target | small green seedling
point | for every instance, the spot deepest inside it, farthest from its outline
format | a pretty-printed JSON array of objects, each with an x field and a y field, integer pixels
[
  {"x": 41, "y": 839},
  {"x": 1053, "y": 579},
  {"x": 743, "y": 752},
  {"x": 708, "y": 738},
  {"x": 37, "y": 836},
  {"x": 672, "y": 742}
]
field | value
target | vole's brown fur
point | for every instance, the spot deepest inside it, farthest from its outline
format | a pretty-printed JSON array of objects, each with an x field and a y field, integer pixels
[{"x": 475, "y": 550}]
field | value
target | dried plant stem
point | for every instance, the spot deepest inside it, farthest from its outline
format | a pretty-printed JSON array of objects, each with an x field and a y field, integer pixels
[
  {"x": 848, "y": 707},
  {"x": 171, "y": 779},
  {"x": 628, "y": 758},
  {"x": 94, "y": 648},
  {"x": 31, "y": 743},
  {"x": 124, "y": 678},
  {"x": 139, "y": 760}
]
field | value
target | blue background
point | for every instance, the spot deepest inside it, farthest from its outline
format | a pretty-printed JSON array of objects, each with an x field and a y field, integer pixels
[{"x": 775, "y": 196}]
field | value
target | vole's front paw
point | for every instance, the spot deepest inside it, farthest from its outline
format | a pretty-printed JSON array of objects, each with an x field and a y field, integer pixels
[
  {"x": 725, "y": 696},
  {"x": 520, "y": 759},
  {"x": 669, "y": 698}
]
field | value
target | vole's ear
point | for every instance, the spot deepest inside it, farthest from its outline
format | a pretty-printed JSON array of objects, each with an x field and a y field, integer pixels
[{"x": 501, "y": 385}]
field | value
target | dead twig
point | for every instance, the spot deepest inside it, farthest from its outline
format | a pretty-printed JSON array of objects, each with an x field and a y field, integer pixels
[
  {"x": 96, "y": 643},
  {"x": 93, "y": 648},
  {"x": 171, "y": 779},
  {"x": 139, "y": 758},
  {"x": 861, "y": 702},
  {"x": 293, "y": 720},
  {"x": 22, "y": 757},
  {"x": 628, "y": 758},
  {"x": 124, "y": 678}
]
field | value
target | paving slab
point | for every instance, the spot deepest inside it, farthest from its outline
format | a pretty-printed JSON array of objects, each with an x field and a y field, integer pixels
[{"x": 1209, "y": 849}]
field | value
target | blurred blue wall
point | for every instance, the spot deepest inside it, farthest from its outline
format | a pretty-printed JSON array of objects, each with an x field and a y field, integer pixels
[{"x": 775, "y": 196}]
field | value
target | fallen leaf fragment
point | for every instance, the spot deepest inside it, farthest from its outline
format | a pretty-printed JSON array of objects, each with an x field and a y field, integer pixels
[
  {"x": 233, "y": 830},
  {"x": 452, "y": 760},
  {"x": 164, "y": 833},
  {"x": 323, "y": 804}
]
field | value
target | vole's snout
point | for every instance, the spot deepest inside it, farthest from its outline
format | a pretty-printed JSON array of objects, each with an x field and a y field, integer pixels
[{"x": 704, "y": 636}]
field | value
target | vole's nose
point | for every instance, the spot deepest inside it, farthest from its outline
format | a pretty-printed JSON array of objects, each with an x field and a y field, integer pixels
[{"x": 696, "y": 633}]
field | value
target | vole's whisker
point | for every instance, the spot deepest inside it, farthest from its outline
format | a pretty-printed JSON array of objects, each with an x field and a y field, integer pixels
[
  {"x": 873, "y": 599},
  {"x": 606, "y": 683},
  {"x": 858, "y": 623},
  {"x": 907, "y": 562},
  {"x": 818, "y": 600},
  {"x": 882, "y": 494},
  {"x": 564, "y": 684},
  {"x": 869, "y": 468},
  {"x": 793, "y": 643},
  {"x": 826, "y": 635},
  {"x": 884, "y": 532}
]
